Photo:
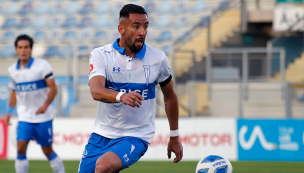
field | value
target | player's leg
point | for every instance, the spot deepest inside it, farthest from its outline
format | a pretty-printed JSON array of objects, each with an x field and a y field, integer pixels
[
  {"x": 109, "y": 162},
  {"x": 96, "y": 147},
  {"x": 55, "y": 161},
  {"x": 21, "y": 163},
  {"x": 123, "y": 153},
  {"x": 24, "y": 135},
  {"x": 44, "y": 136}
]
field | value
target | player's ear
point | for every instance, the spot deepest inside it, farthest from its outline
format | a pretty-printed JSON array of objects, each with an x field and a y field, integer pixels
[{"x": 121, "y": 29}]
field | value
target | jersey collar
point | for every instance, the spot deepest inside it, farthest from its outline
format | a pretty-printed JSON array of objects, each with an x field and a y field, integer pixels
[
  {"x": 28, "y": 65},
  {"x": 140, "y": 55}
]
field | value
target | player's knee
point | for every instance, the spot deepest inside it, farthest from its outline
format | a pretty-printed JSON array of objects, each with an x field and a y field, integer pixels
[
  {"x": 47, "y": 150},
  {"x": 21, "y": 150},
  {"x": 102, "y": 167}
]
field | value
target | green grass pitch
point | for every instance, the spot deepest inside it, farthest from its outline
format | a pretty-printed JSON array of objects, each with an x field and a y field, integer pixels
[{"x": 7, "y": 166}]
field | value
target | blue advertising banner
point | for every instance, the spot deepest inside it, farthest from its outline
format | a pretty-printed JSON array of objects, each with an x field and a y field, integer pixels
[{"x": 270, "y": 140}]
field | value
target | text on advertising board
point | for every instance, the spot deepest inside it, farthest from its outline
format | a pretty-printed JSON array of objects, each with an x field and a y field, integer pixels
[
  {"x": 273, "y": 140},
  {"x": 3, "y": 139}
]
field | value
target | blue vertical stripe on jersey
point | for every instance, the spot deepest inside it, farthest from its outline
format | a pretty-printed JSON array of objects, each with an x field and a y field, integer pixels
[
  {"x": 30, "y": 86},
  {"x": 147, "y": 91}
]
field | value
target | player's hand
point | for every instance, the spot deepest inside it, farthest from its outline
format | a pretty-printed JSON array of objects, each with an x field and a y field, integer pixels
[
  {"x": 132, "y": 99},
  {"x": 41, "y": 110},
  {"x": 176, "y": 147},
  {"x": 7, "y": 119}
]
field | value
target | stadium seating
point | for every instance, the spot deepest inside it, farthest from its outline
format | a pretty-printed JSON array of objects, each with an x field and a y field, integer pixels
[
  {"x": 69, "y": 35},
  {"x": 9, "y": 23},
  {"x": 202, "y": 103},
  {"x": 24, "y": 23},
  {"x": 179, "y": 8},
  {"x": 293, "y": 49},
  {"x": 162, "y": 22},
  {"x": 181, "y": 22},
  {"x": 52, "y": 51},
  {"x": 8, "y": 52},
  {"x": 83, "y": 51},
  {"x": 87, "y": 8},
  {"x": 150, "y": 7},
  {"x": 294, "y": 71},
  {"x": 69, "y": 22},
  {"x": 116, "y": 6},
  {"x": 85, "y": 34},
  {"x": 56, "y": 9},
  {"x": 10, "y": 9},
  {"x": 50, "y": 15},
  {"x": 39, "y": 23},
  {"x": 99, "y": 35},
  {"x": 58, "y": 25},
  {"x": 164, "y": 36},
  {"x": 26, "y": 9},
  {"x": 85, "y": 22},
  {"x": 72, "y": 8},
  {"x": 163, "y": 7},
  {"x": 9, "y": 35},
  {"x": 41, "y": 8},
  {"x": 101, "y": 8},
  {"x": 199, "y": 6},
  {"x": 220, "y": 29},
  {"x": 167, "y": 49},
  {"x": 55, "y": 35},
  {"x": 101, "y": 22},
  {"x": 39, "y": 35},
  {"x": 55, "y": 22}
]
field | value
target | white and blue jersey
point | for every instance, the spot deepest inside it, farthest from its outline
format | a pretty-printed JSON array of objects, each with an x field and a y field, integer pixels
[
  {"x": 141, "y": 74},
  {"x": 31, "y": 89}
]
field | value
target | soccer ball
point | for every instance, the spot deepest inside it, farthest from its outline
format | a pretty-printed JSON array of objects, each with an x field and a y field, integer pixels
[{"x": 214, "y": 164}]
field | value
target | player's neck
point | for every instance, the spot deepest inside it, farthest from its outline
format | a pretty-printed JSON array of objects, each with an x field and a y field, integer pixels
[
  {"x": 127, "y": 51},
  {"x": 24, "y": 62}
]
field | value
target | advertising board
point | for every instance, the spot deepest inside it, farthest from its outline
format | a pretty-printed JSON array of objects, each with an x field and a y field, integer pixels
[
  {"x": 271, "y": 140},
  {"x": 200, "y": 137}
]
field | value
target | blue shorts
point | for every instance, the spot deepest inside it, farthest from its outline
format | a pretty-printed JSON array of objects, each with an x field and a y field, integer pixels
[
  {"x": 41, "y": 132},
  {"x": 128, "y": 149}
]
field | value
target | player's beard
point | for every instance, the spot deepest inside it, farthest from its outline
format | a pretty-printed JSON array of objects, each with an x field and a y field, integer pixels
[{"x": 131, "y": 44}]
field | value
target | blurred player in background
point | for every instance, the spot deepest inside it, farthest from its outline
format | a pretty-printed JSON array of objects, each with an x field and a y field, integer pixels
[
  {"x": 122, "y": 77},
  {"x": 33, "y": 90}
]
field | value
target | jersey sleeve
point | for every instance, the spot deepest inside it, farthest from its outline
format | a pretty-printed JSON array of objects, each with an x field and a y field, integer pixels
[
  {"x": 97, "y": 64},
  {"x": 165, "y": 71},
  {"x": 11, "y": 84},
  {"x": 47, "y": 71}
]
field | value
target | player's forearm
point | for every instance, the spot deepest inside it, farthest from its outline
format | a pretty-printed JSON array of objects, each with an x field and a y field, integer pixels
[
  {"x": 13, "y": 99},
  {"x": 171, "y": 107},
  {"x": 103, "y": 94},
  {"x": 51, "y": 95}
]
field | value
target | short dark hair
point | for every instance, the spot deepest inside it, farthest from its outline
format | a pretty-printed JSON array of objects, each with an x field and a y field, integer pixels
[
  {"x": 24, "y": 37},
  {"x": 131, "y": 9}
]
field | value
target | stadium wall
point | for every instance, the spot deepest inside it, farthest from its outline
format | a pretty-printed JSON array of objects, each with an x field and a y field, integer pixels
[{"x": 235, "y": 139}]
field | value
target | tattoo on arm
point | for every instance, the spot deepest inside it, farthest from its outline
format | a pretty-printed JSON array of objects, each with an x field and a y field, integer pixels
[
  {"x": 105, "y": 100},
  {"x": 166, "y": 109}
]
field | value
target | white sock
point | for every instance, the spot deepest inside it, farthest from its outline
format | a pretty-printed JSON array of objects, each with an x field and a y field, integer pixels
[
  {"x": 21, "y": 166},
  {"x": 57, "y": 165}
]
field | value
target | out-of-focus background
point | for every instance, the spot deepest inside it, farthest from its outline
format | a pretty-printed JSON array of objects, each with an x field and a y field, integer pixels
[{"x": 238, "y": 68}]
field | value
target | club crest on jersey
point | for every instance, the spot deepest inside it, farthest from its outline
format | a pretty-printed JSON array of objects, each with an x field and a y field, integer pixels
[
  {"x": 116, "y": 70},
  {"x": 147, "y": 73}
]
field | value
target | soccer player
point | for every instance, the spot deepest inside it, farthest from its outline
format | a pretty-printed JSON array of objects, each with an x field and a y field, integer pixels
[
  {"x": 122, "y": 78},
  {"x": 33, "y": 90}
]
